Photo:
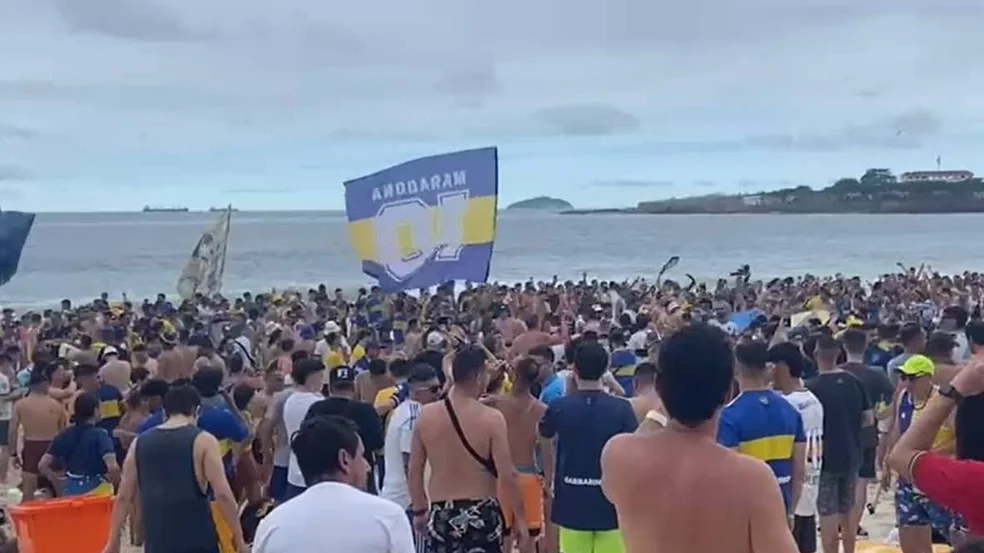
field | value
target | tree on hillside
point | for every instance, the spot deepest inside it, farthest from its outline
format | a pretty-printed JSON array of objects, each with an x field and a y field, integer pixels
[
  {"x": 846, "y": 186},
  {"x": 878, "y": 177}
]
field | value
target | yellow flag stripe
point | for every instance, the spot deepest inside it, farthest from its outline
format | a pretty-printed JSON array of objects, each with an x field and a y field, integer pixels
[{"x": 478, "y": 226}]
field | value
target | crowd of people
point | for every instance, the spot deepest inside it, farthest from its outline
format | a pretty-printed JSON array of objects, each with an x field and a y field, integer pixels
[{"x": 580, "y": 416}]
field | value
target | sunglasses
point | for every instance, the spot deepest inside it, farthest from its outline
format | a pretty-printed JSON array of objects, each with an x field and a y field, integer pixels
[{"x": 909, "y": 377}]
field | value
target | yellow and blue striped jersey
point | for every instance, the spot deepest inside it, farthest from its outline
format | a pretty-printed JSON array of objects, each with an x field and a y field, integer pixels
[{"x": 764, "y": 425}]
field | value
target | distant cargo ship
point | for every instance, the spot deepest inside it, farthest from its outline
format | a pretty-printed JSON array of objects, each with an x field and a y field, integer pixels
[
  {"x": 150, "y": 209},
  {"x": 221, "y": 209}
]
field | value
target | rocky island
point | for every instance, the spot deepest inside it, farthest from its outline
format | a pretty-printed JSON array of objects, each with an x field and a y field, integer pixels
[
  {"x": 877, "y": 191},
  {"x": 541, "y": 203}
]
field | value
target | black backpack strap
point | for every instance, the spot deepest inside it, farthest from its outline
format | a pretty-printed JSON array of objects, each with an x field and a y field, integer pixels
[
  {"x": 242, "y": 349},
  {"x": 488, "y": 464}
]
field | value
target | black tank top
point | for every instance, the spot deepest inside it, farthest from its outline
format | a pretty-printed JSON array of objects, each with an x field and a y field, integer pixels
[{"x": 176, "y": 514}]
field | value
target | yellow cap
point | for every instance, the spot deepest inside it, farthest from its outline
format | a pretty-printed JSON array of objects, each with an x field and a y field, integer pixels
[{"x": 918, "y": 365}]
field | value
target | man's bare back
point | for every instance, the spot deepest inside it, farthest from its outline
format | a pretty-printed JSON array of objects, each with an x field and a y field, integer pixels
[
  {"x": 176, "y": 363},
  {"x": 367, "y": 385},
  {"x": 41, "y": 417},
  {"x": 527, "y": 341},
  {"x": 677, "y": 491},
  {"x": 454, "y": 473},
  {"x": 116, "y": 373},
  {"x": 522, "y": 416}
]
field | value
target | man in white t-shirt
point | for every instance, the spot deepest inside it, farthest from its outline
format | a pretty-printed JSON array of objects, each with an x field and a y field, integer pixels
[
  {"x": 333, "y": 513},
  {"x": 788, "y": 362},
  {"x": 308, "y": 376},
  {"x": 273, "y": 434},
  {"x": 953, "y": 320},
  {"x": 424, "y": 388},
  {"x": 7, "y": 396},
  {"x": 242, "y": 346}
]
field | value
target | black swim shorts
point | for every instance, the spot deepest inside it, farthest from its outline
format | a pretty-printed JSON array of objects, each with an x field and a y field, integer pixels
[{"x": 465, "y": 525}]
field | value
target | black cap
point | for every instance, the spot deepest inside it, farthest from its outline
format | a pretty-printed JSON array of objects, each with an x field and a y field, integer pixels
[{"x": 341, "y": 375}]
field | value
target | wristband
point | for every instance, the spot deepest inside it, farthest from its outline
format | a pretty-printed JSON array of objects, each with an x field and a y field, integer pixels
[{"x": 951, "y": 393}]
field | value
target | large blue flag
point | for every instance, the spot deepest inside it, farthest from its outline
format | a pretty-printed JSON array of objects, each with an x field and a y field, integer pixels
[
  {"x": 14, "y": 228},
  {"x": 426, "y": 221}
]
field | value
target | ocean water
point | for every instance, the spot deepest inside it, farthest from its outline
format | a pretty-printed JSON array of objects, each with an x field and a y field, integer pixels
[{"x": 78, "y": 256}]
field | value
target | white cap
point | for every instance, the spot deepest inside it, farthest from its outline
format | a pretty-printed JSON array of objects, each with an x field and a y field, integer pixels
[
  {"x": 435, "y": 340},
  {"x": 332, "y": 326}
]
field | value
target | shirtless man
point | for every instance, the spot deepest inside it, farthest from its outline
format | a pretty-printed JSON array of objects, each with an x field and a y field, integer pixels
[
  {"x": 467, "y": 445},
  {"x": 42, "y": 417},
  {"x": 84, "y": 354},
  {"x": 174, "y": 362},
  {"x": 523, "y": 412},
  {"x": 509, "y": 326},
  {"x": 412, "y": 340},
  {"x": 530, "y": 339},
  {"x": 61, "y": 386},
  {"x": 369, "y": 382},
  {"x": 142, "y": 359},
  {"x": 939, "y": 348},
  {"x": 115, "y": 371},
  {"x": 667, "y": 485},
  {"x": 645, "y": 398},
  {"x": 203, "y": 348}
]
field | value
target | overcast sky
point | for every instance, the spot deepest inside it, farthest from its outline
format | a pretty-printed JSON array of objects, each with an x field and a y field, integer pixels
[{"x": 113, "y": 104}]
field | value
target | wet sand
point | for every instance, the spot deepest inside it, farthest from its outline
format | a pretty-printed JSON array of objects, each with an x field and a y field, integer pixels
[{"x": 878, "y": 525}]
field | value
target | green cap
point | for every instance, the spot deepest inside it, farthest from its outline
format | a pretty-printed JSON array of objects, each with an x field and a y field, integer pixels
[{"x": 918, "y": 365}]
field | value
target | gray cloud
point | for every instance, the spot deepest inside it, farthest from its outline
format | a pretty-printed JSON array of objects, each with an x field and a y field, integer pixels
[
  {"x": 16, "y": 132},
  {"x": 36, "y": 88},
  {"x": 918, "y": 122},
  {"x": 904, "y": 131},
  {"x": 257, "y": 190},
  {"x": 122, "y": 19},
  {"x": 471, "y": 86},
  {"x": 633, "y": 183},
  {"x": 588, "y": 119},
  {"x": 12, "y": 173},
  {"x": 375, "y": 72}
]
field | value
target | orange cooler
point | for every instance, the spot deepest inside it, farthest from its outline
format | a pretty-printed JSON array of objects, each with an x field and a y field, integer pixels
[{"x": 77, "y": 524}]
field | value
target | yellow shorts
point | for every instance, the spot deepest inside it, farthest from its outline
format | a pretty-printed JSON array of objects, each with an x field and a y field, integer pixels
[
  {"x": 226, "y": 540},
  {"x": 589, "y": 541},
  {"x": 531, "y": 492},
  {"x": 102, "y": 490}
]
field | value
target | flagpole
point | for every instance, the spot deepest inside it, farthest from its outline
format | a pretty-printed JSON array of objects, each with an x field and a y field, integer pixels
[{"x": 225, "y": 244}]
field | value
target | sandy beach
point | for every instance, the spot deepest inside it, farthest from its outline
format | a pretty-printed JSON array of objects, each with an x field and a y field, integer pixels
[{"x": 879, "y": 525}]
